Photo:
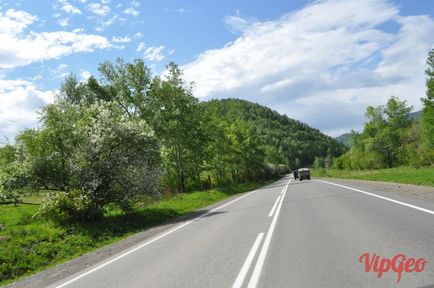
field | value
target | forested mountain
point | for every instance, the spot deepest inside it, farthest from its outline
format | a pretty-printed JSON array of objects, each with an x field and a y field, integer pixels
[
  {"x": 344, "y": 139},
  {"x": 284, "y": 140},
  {"x": 415, "y": 115},
  {"x": 133, "y": 134}
]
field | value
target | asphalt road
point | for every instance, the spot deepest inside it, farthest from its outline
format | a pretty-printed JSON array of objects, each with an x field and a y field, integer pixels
[{"x": 288, "y": 234}]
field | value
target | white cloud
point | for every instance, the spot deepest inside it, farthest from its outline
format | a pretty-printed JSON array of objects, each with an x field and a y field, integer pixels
[
  {"x": 68, "y": 8},
  {"x": 63, "y": 22},
  {"x": 154, "y": 53},
  {"x": 99, "y": 9},
  {"x": 237, "y": 24},
  {"x": 125, "y": 39},
  {"x": 85, "y": 75},
  {"x": 138, "y": 35},
  {"x": 20, "y": 100},
  {"x": 141, "y": 47},
  {"x": 178, "y": 10},
  {"x": 322, "y": 64},
  {"x": 60, "y": 71},
  {"x": 131, "y": 11},
  {"x": 104, "y": 24},
  {"x": 19, "y": 47}
]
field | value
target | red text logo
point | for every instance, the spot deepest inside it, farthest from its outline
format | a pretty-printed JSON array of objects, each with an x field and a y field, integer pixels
[{"x": 398, "y": 264}]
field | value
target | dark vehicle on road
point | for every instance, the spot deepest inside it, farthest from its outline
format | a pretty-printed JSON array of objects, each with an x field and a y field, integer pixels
[{"x": 304, "y": 173}]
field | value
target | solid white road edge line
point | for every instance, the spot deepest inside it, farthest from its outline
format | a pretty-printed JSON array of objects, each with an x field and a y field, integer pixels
[
  {"x": 381, "y": 197},
  {"x": 274, "y": 207},
  {"x": 261, "y": 259},
  {"x": 246, "y": 266},
  {"x": 152, "y": 240}
]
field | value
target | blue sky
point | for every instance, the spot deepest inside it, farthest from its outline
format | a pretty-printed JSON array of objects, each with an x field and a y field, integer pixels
[{"x": 322, "y": 62}]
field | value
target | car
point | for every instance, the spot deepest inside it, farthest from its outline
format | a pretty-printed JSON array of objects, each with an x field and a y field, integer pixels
[
  {"x": 304, "y": 173},
  {"x": 295, "y": 173}
]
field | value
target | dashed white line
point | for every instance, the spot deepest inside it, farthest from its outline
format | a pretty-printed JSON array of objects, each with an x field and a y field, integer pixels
[
  {"x": 381, "y": 197},
  {"x": 150, "y": 241},
  {"x": 246, "y": 266},
  {"x": 261, "y": 259},
  {"x": 274, "y": 207}
]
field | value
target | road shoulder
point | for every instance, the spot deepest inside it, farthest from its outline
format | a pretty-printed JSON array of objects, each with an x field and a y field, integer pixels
[{"x": 424, "y": 193}]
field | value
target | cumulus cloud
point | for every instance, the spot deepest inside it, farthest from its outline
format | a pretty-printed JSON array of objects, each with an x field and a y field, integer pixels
[
  {"x": 63, "y": 22},
  {"x": 68, "y": 8},
  {"x": 19, "y": 47},
  {"x": 132, "y": 9},
  {"x": 125, "y": 39},
  {"x": 20, "y": 100},
  {"x": 237, "y": 24},
  {"x": 152, "y": 53},
  {"x": 99, "y": 9},
  {"x": 84, "y": 74},
  {"x": 322, "y": 64},
  {"x": 104, "y": 24}
]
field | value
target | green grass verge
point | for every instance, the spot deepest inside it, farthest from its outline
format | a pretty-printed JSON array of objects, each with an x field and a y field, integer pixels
[
  {"x": 406, "y": 175},
  {"x": 28, "y": 245}
]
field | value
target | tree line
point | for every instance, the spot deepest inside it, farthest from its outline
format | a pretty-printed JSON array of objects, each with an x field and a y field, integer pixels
[
  {"x": 390, "y": 137},
  {"x": 132, "y": 134}
]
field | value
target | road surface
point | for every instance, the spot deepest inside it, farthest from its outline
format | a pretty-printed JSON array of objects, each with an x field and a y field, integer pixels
[{"x": 287, "y": 234}]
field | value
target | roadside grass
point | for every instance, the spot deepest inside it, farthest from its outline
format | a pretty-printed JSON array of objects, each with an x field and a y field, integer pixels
[
  {"x": 28, "y": 245},
  {"x": 407, "y": 175}
]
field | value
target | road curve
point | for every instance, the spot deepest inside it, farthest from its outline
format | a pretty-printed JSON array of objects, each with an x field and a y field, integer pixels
[{"x": 287, "y": 234}]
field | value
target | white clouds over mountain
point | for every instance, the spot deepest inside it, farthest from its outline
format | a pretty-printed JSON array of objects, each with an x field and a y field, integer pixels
[{"x": 322, "y": 64}]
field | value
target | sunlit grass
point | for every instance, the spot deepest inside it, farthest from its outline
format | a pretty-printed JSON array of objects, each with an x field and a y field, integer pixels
[{"x": 28, "y": 245}]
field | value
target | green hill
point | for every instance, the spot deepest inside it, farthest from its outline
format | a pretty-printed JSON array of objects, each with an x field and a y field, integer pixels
[
  {"x": 285, "y": 140},
  {"x": 344, "y": 139}
]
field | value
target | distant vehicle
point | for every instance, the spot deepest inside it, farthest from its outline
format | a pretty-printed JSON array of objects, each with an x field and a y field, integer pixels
[
  {"x": 304, "y": 173},
  {"x": 295, "y": 173}
]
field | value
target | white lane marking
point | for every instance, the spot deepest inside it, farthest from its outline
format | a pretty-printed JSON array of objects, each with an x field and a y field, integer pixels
[
  {"x": 286, "y": 186},
  {"x": 246, "y": 266},
  {"x": 274, "y": 207},
  {"x": 153, "y": 240},
  {"x": 381, "y": 197},
  {"x": 261, "y": 259}
]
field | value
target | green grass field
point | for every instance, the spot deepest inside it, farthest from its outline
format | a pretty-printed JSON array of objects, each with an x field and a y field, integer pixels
[
  {"x": 28, "y": 245},
  {"x": 407, "y": 175}
]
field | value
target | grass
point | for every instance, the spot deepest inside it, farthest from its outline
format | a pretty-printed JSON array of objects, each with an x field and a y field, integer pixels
[
  {"x": 28, "y": 245},
  {"x": 407, "y": 175}
]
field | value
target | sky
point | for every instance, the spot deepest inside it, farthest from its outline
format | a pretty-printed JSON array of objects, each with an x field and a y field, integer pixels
[{"x": 321, "y": 62}]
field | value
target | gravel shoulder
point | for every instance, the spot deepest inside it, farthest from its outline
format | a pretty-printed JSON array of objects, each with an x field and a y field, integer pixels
[{"x": 424, "y": 193}]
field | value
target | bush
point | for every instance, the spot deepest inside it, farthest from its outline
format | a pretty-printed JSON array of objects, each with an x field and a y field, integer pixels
[{"x": 75, "y": 205}]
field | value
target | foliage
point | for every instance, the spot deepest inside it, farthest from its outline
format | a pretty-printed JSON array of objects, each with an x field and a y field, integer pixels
[
  {"x": 427, "y": 119},
  {"x": 118, "y": 160},
  {"x": 29, "y": 244},
  {"x": 132, "y": 134},
  {"x": 390, "y": 138}
]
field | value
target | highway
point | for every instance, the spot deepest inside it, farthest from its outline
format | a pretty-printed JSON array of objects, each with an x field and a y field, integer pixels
[{"x": 287, "y": 234}]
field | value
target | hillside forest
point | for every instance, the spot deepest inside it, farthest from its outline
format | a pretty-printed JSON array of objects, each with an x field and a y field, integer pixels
[
  {"x": 392, "y": 136},
  {"x": 132, "y": 135}
]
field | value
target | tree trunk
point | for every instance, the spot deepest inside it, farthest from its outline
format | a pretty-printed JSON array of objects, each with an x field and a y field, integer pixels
[{"x": 180, "y": 169}]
